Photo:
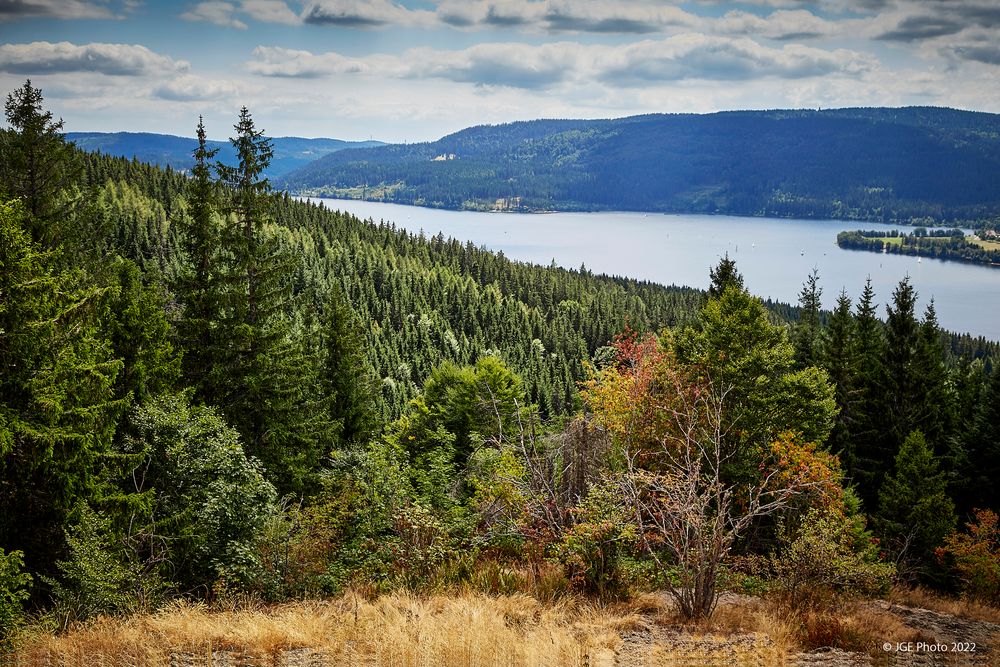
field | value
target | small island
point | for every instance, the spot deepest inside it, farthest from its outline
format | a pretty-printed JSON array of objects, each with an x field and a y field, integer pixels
[{"x": 983, "y": 247}]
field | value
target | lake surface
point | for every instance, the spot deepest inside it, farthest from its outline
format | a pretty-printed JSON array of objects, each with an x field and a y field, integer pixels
[{"x": 774, "y": 255}]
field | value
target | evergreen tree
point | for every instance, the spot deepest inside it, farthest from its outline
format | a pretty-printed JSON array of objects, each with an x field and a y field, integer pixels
[
  {"x": 266, "y": 377},
  {"x": 37, "y": 164},
  {"x": 347, "y": 377},
  {"x": 915, "y": 511},
  {"x": 901, "y": 384},
  {"x": 807, "y": 334},
  {"x": 870, "y": 418},
  {"x": 722, "y": 276},
  {"x": 841, "y": 362},
  {"x": 57, "y": 409},
  {"x": 197, "y": 286}
]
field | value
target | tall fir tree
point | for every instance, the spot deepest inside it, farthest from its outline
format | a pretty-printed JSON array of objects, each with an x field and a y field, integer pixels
[
  {"x": 57, "y": 407},
  {"x": 915, "y": 511},
  {"x": 347, "y": 378},
  {"x": 37, "y": 164},
  {"x": 197, "y": 286},
  {"x": 869, "y": 418},
  {"x": 807, "y": 336},
  {"x": 840, "y": 358},
  {"x": 266, "y": 377}
]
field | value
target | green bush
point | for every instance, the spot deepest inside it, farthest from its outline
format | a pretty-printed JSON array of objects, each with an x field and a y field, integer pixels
[
  {"x": 830, "y": 552},
  {"x": 14, "y": 584}
]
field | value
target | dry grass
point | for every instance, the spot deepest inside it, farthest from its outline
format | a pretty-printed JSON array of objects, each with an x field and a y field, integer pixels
[
  {"x": 961, "y": 607},
  {"x": 398, "y": 630}
]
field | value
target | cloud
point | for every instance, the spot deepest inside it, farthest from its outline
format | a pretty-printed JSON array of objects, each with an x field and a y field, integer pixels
[
  {"x": 696, "y": 56},
  {"x": 189, "y": 88},
  {"x": 58, "y": 9},
  {"x": 111, "y": 59},
  {"x": 631, "y": 17},
  {"x": 225, "y": 14},
  {"x": 983, "y": 53},
  {"x": 782, "y": 25},
  {"x": 363, "y": 14},
  {"x": 514, "y": 65},
  {"x": 275, "y": 61},
  {"x": 527, "y": 66},
  {"x": 921, "y": 27},
  {"x": 218, "y": 13}
]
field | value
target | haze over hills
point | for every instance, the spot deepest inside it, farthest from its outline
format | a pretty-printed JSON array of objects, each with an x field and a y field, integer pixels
[
  {"x": 887, "y": 164},
  {"x": 170, "y": 150}
]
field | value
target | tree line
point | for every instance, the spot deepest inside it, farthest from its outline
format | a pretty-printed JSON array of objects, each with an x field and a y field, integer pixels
[{"x": 210, "y": 388}]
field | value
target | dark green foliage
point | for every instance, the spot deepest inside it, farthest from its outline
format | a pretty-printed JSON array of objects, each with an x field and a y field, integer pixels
[
  {"x": 199, "y": 282},
  {"x": 36, "y": 164},
  {"x": 57, "y": 406},
  {"x": 807, "y": 335},
  {"x": 842, "y": 362},
  {"x": 265, "y": 375},
  {"x": 722, "y": 276},
  {"x": 211, "y": 500},
  {"x": 915, "y": 512},
  {"x": 916, "y": 163},
  {"x": 346, "y": 377},
  {"x": 14, "y": 584}
]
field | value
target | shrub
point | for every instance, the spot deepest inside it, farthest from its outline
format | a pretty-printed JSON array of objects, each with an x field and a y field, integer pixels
[
  {"x": 976, "y": 556},
  {"x": 830, "y": 552},
  {"x": 14, "y": 584}
]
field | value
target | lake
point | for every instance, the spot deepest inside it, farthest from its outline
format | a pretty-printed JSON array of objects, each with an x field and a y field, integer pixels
[{"x": 774, "y": 255}]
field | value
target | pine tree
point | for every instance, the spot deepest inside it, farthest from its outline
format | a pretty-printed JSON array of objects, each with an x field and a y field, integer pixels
[
  {"x": 807, "y": 334},
  {"x": 197, "y": 286},
  {"x": 901, "y": 383},
  {"x": 870, "y": 418},
  {"x": 347, "y": 378},
  {"x": 915, "y": 511},
  {"x": 57, "y": 408},
  {"x": 841, "y": 362},
  {"x": 722, "y": 276},
  {"x": 266, "y": 377},
  {"x": 37, "y": 164}
]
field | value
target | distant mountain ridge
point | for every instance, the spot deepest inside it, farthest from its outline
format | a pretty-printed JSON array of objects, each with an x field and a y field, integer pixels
[
  {"x": 890, "y": 164},
  {"x": 170, "y": 150}
]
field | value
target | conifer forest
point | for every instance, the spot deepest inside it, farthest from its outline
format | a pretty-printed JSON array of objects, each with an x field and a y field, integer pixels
[{"x": 212, "y": 392}]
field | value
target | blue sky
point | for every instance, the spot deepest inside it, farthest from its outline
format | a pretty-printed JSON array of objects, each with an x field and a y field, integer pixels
[{"x": 413, "y": 71}]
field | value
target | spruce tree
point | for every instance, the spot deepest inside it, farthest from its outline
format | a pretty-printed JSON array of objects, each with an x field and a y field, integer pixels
[
  {"x": 807, "y": 334},
  {"x": 347, "y": 377},
  {"x": 722, "y": 276},
  {"x": 198, "y": 285},
  {"x": 265, "y": 377},
  {"x": 57, "y": 407},
  {"x": 841, "y": 362},
  {"x": 915, "y": 511},
  {"x": 870, "y": 419},
  {"x": 37, "y": 164}
]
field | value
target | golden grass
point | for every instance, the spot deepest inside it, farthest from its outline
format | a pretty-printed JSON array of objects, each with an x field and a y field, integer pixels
[
  {"x": 961, "y": 607},
  {"x": 398, "y": 630}
]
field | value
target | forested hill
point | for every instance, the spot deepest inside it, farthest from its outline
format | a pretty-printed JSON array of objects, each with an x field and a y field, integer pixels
[
  {"x": 169, "y": 150},
  {"x": 877, "y": 164}
]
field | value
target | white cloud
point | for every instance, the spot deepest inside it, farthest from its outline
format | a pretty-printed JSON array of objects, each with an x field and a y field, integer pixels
[
  {"x": 218, "y": 13},
  {"x": 38, "y": 58},
  {"x": 188, "y": 88},
  {"x": 364, "y": 14},
  {"x": 687, "y": 56},
  {"x": 58, "y": 9},
  {"x": 225, "y": 14},
  {"x": 630, "y": 16},
  {"x": 781, "y": 25}
]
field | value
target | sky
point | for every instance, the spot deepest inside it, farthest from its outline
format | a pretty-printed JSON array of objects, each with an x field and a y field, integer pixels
[{"x": 407, "y": 71}]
